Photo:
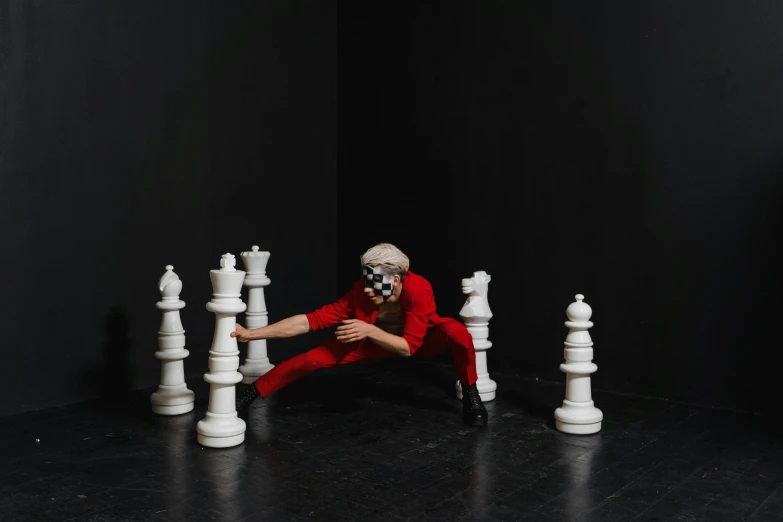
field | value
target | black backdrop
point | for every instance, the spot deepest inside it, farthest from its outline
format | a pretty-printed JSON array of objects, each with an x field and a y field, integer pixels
[
  {"x": 140, "y": 134},
  {"x": 632, "y": 152},
  {"x": 628, "y": 152}
]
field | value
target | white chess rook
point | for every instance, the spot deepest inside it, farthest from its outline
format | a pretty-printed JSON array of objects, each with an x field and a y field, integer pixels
[
  {"x": 578, "y": 414},
  {"x": 257, "y": 361},
  {"x": 476, "y": 314},
  {"x": 222, "y": 428},
  {"x": 172, "y": 396}
]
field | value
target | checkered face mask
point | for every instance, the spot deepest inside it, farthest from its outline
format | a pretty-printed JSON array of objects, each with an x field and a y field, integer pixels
[{"x": 382, "y": 285}]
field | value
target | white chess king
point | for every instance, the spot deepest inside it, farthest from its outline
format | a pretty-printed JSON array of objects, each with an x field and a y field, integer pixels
[
  {"x": 172, "y": 396},
  {"x": 222, "y": 428},
  {"x": 257, "y": 361},
  {"x": 578, "y": 414},
  {"x": 476, "y": 314}
]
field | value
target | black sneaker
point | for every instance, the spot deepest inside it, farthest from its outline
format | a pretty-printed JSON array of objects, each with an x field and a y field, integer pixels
[
  {"x": 245, "y": 396},
  {"x": 473, "y": 411}
]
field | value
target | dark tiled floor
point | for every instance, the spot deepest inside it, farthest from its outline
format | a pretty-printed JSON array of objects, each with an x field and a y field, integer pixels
[{"x": 383, "y": 442}]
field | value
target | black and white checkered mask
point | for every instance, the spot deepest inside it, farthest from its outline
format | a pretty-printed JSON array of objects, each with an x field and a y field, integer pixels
[{"x": 382, "y": 285}]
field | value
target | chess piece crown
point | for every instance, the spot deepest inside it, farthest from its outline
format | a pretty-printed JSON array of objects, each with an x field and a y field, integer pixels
[
  {"x": 255, "y": 262},
  {"x": 227, "y": 282}
]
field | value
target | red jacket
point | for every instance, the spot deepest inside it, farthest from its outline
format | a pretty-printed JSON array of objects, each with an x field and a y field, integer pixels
[{"x": 417, "y": 305}]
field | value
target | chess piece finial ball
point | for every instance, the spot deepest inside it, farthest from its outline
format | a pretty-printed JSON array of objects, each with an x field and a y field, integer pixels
[
  {"x": 579, "y": 311},
  {"x": 254, "y": 248},
  {"x": 169, "y": 267}
]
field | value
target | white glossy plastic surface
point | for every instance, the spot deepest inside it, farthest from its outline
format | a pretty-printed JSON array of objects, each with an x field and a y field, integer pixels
[
  {"x": 172, "y": 396},
  {"x": 257, "y": 361},
  {"x": 578, "y": 414},
  {"x": 222, "y": 428},
  {"x": 476, "y": 314}
]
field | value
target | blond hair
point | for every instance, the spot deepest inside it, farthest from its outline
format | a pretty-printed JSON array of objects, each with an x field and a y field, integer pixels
[{"x": 388, "y": 258}]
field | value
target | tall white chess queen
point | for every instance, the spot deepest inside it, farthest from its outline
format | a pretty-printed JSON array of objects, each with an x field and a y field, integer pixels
[
  {"x": 257, "y": 361},
  {"x": 222, "y": 428},
  {"x": 476, "y": 314}
]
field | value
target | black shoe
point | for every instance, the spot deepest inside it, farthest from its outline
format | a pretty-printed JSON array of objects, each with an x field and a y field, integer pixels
[
  {"x": 245, "y": 396},
  {"x": 473, "y": 411}
]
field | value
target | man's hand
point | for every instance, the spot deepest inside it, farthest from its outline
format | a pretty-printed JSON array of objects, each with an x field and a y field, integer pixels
[
  {"x": 241, "y": 333},
  {"x": 353, "y": 330}
]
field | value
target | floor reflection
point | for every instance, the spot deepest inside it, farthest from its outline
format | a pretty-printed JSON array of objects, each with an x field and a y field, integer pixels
[
  {"x": 479, "y": 492},
  {"x": 176, "y": 437},
  {"x": 579, "y": 468}
]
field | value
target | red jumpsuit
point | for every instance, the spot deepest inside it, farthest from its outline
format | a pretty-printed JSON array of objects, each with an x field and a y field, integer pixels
[{"x": 426, "y": 332}]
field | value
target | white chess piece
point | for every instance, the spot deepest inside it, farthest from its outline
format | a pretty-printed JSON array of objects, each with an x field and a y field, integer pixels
[
  {"x": 257, "y": 361},
  {"x": 476, "y": 314},
  {"x": 222, "y": 428},
  {"x": 578, "y": 414},
  {"x": 172, "y": 396}
]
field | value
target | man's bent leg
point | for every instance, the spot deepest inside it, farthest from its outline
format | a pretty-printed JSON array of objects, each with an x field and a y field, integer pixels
[
  {"x": 454, "y": 336},
  {"x": 325, "y": 356}
]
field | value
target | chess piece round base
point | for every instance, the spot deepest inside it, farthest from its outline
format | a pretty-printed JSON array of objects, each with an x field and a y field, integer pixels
[
  {"x": 580, "y": 418},
  {"x": 578, "y": 429},
  {"x": 172, "y": 400},
  {"x": 221, "y": 442},
  {"x": 172, "y": 410},
  {"x": 486, "y": 390},
  {"x": 220, "y": 430}
]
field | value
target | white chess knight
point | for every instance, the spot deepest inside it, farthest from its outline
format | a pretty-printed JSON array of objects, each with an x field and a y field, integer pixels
[
  {"x": 172, "y": 396},
  {"x": 257, "y": 361},
  {"x": 578, "y": 414},
  {"x": 222, "y": 428},
  {"x": 476, "y": 314}
]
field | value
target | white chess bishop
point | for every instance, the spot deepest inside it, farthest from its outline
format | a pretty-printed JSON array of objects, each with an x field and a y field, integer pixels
[
  {"x": 172, "y": 396},
  {"x": 222, "y": 428},
  {"x": 257, "y": 361},
  {"x": 578, "y": 414},
  {"x": 476, "y": 314}
]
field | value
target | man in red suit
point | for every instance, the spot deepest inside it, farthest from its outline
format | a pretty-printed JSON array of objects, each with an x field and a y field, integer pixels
[{"x": 389, "y": 312}]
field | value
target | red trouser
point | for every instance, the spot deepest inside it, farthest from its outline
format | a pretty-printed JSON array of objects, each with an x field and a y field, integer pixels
[{"x": 450, "y": 335}]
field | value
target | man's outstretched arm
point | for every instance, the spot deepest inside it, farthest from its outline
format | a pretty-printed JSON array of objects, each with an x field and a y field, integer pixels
[
  {"x": 353, "y": 330},
  {"x": 290, "y": 327},
  {"x": 390, "y": 342}
]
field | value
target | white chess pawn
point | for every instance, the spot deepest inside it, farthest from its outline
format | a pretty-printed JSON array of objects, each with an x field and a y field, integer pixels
[
  {"x": 257, "y": 361},
  {"x": 173, "y": 396},
  {"x": 476, "y": 314},
  {"x": 222, "y": 428},
  {"x": 578, "y": 414}
]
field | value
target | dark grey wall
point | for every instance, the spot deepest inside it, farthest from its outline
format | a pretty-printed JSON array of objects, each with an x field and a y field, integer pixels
[
  {"x": 139, "y": 134},
  {"x": 629, "y": 151}
]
